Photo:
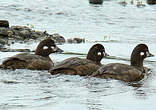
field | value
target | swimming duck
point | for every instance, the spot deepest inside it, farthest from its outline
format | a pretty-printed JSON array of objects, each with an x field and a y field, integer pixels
[
  {"x": 133, "y": 72},
  {"x": 38, "y": 61},
  {"x": 82, "y": 67}
]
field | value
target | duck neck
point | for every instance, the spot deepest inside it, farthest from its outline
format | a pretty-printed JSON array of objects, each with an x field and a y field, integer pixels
[
  {"x": 137, "y": 62},
  {"x": 93, "y": 58}
]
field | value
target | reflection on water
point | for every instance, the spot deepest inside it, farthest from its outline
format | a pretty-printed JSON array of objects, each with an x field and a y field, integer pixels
[{"x": 116, "y": 27}]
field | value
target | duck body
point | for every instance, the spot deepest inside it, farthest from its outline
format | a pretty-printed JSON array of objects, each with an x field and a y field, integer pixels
[
  {"x": 82, "y": 67},
  {"x": 128, "y": 73},
  {"x": 120, "y": 72},
  {"x": 28, "y": 61},
  {"x": 40, "y": 60},
  {"x": 75, "y": 66}
]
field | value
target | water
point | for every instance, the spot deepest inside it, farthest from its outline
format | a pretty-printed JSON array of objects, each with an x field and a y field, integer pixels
[{"x": 117, "y": 27}]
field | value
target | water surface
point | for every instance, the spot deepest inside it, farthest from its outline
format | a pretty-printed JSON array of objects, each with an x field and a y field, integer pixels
[{"x": 117, "y": 27}]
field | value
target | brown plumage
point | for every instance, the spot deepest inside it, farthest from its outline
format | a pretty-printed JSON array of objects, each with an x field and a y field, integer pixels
[
  {"x": 128, "y": 73},
  {"x": 78, "y": 66},
  {"x": 38, "y": 61}
]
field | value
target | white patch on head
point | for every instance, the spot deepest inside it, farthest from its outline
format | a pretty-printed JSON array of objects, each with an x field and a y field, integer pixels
[
  {"x": 45, "y": 47},
  {"x": 52, "y": 47},
  {"x": 142, "y": 53},
  {"x": 99, "y": 53}
]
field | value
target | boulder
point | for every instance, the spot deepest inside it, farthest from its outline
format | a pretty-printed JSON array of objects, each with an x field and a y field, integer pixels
[
  {"x": 14, "y": 50},
  {"x": 151, "y": 2},
  {"x": 4, "y": 23},
  {"x": 95, "y": 1},
  {"x": 23, "y": 33},
  {"x": 76, "y": 40},
  {"x": 58, "y": 38}
]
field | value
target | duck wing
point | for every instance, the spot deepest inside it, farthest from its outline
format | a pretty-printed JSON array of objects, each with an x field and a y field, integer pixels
[
  {"x": 75, "y": 66},
  {"x": 119, "y": 71}
]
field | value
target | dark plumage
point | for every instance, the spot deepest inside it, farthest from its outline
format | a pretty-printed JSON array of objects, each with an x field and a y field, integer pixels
[
  {"x": 78, "y": 66},
  {"x": 38, "y": 61},
  {"x": 128, "y": 73}
]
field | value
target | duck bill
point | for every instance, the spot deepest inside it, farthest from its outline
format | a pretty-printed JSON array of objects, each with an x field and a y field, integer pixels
[
  {"x": 106, "y": 54},
  {"x": 58, "y": 50},
  {"x": 149, "y": 54}
]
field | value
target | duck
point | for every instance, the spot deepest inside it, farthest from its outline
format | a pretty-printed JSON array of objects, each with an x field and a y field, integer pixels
[
  {"x": 128, "y": 73},
  {"x": 81, "y": 66},
  {"x": 40, "y": 60}
]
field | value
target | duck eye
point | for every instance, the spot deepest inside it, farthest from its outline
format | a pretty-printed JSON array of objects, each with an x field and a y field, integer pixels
[
  {"x": 45, "y": 47},
  {"x": 99, "y": 53},
  {"x": 142, "y": 53}
]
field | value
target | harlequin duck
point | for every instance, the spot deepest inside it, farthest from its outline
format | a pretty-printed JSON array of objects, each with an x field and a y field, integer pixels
[
  {"x": 82, "y": 67},
  {"x": 128, "y": 73},
  {"x": 38, "y": 61}
]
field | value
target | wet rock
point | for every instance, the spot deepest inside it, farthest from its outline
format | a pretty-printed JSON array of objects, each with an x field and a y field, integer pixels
[
  {"x": 76, "y": 40},
  {"x": 25, "y": 34},
  {"x": 58, "y": 38},
  {"x": 140, "y": 4},
  {"x": 123, "y": 3},
  {"x": 1, "y": 46},
  {"x": 151, "y": 2},
  {"x": 4, "y": 23},
  {"x": 95, "y": 1},
  {"x": 14, "y": 50},
  {"x": 2, "y": 41},
  {"x": 4, "y": 32}
]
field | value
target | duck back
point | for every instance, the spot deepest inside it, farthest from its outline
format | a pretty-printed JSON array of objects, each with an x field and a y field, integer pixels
[
  {"x": 27, "y": 61},
  {"x": 75, "y": 66},
  {"x": 120, "y": 72}
]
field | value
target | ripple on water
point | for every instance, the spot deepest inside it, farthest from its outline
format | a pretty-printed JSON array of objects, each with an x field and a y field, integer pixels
[{"x": 31, "y": 90}]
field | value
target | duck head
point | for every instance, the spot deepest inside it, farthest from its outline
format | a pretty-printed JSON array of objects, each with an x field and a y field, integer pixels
[
  {"x": 140, "y": 52},
  {"x": 46, "y": 47},
  {"x": 96, "y": 53}
]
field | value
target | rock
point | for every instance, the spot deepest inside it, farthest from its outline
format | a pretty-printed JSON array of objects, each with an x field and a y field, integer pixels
[
  {"x": 4, "y": 23},
  {"x": 76, "y": 40},
  {"x": 58, "y": 38},
  {"x": 14, "y": 50},
  {"x": 123, "y": 3},
  {"x": 25, "y": 34},
  {"x": 1, "y": 46},
  {"x": 95, "y": 1},
  {"x": 151, "y": 2},
  {"x": 2, "y": 41},
  {"x": 4, "y": 32}
]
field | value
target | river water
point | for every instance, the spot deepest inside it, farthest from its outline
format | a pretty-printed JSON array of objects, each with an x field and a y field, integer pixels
[{"x": 119, "y": 28}]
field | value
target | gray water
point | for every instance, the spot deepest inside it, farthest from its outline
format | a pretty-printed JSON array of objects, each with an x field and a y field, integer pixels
[{"x": 117, "y": 27}]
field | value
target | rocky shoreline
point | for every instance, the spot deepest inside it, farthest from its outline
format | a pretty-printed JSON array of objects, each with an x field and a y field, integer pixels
[{"x": 23, "y": 34}]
